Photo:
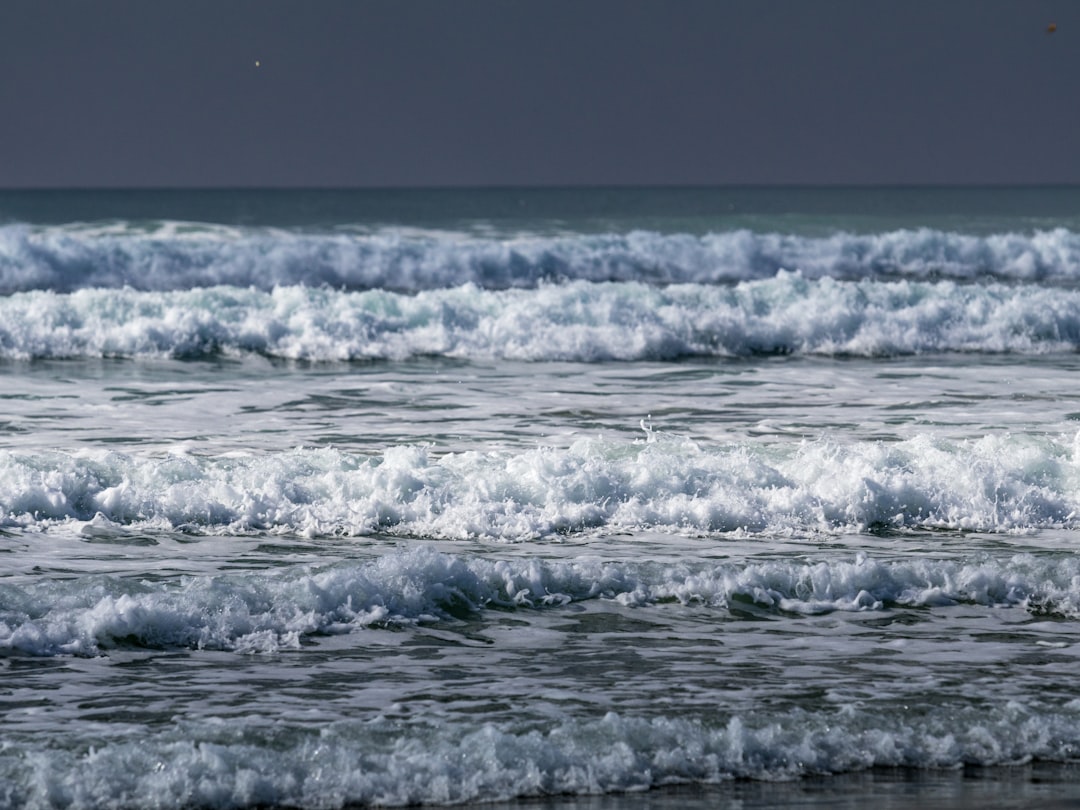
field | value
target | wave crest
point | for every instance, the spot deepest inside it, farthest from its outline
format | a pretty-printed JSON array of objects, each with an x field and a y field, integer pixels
[
  {"x": 266, "y": 613},
  {"x": 179, "y": 256},
  {"x": 996, "y": 484},
  {"x": 578, "y": 321},
  {"x": 389, "y": 763}
]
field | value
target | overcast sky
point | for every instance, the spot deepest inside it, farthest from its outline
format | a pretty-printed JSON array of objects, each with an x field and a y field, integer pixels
[{"x": 526, "y": 92}]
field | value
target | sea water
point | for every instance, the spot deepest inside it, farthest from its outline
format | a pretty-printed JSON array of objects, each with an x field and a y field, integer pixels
[{"x": 321, "y": 499}]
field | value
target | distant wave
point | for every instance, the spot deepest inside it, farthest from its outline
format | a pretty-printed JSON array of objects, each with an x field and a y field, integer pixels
[
  {"x": 180, "y": 256},
  {"x": 578, "y": 321},
  {"x": 997, "y": 484}
]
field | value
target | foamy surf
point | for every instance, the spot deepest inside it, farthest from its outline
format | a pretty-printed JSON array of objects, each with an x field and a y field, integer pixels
[
  {"x": 389, "y": 762},
  {"x": 995, "y": 484},
  {"x": 579, "y": 321},
  {"x": 279, "y": 610},
  {"x": 177, "y": 255},
  {"x": 239, "y": 582}
]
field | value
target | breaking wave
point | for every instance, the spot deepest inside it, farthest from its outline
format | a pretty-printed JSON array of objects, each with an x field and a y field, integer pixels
[
  {"x": 179, "y": 256},
  {"x": 267, "y": 612},
  {"x": 578, "y": 321},
  {"x": 385, "y": 762},
  {"x": 995, "y": 484}
]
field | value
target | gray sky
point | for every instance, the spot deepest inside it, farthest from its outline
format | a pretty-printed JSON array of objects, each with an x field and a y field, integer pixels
[{"x": 524, "y": 92}]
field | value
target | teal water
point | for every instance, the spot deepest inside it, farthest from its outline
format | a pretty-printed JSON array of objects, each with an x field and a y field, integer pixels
[{"x": 796, "y": 210}]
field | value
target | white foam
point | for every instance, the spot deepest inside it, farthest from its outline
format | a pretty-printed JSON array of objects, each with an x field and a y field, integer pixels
[
  {"x": 578, "y": 321},
  {"x": 995, "y": 484},
  {"x": 275, "y": 610},
  {"x": 215, "y": 764},
  {"x": 176, "y": 256}
]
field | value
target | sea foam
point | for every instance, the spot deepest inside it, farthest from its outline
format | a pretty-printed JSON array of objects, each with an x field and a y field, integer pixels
[
  {"x": 218, "y": 763},
  {"x": 269, "y": 611},
  {"x": 577, "y": 321},
  {"x": 999, "y": 483},
  {"x": 177, "y": 256}
]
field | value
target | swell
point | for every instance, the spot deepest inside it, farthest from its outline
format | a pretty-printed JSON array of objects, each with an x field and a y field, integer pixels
[{"x": 179, "y": 256}]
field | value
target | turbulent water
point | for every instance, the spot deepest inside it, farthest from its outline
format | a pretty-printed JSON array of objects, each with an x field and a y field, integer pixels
[{"x": 338, "y": 499}]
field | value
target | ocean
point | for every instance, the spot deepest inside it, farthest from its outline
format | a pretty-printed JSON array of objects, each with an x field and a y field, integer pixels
[{"x": 543, "y": 497}]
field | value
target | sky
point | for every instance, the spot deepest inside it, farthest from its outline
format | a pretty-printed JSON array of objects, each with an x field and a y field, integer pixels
[{"x": 328, "y": 93}]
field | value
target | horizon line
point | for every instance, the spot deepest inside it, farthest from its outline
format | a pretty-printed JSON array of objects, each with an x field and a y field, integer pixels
[{"x": 539, "y": 187}]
